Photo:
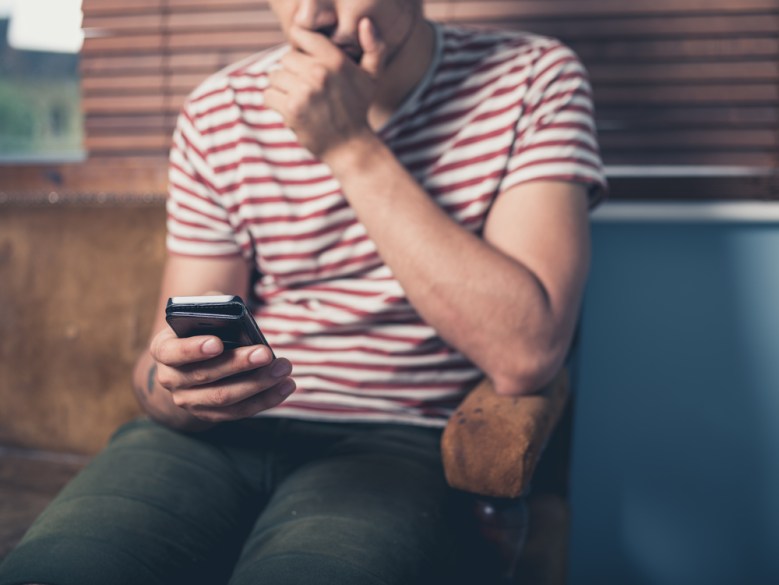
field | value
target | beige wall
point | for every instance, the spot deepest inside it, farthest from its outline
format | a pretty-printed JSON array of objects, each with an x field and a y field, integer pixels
[{"x": 77, "y": 288}]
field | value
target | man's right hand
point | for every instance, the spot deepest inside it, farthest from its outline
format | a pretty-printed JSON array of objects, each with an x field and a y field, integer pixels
[{"x": 216, "y": 385}]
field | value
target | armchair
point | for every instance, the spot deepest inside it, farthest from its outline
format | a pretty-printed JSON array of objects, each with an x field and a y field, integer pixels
[{"x": 490, "y": 449}]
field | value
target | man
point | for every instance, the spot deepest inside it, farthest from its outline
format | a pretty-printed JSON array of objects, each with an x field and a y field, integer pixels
[{"x": 405, "y": 204}]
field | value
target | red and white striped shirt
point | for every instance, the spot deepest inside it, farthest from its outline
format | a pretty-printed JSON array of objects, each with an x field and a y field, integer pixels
[{"x": 494, "y": 110}]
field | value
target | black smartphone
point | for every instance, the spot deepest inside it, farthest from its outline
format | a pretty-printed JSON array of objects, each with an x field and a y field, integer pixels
[{"x": 225, "y": 316}]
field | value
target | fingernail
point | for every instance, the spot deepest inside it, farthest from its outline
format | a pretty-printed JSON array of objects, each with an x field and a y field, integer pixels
[
  {"x": 281, "y": 369},
  {"x": 211, "y": 347},
  {"x": 286, "y": 388},
  {"x": 258, "y": 356}
]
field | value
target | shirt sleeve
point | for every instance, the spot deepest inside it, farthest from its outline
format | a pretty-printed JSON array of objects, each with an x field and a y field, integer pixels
[
  {"x": 556, "y": 137},
  {"x": 197, "y": 222}
]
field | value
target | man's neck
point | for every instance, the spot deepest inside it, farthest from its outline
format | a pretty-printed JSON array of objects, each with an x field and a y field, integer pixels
[{"x": 403, "y": 74}]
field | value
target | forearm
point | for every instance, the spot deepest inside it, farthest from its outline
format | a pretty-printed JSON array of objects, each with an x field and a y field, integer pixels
[
  {"x": 486, "y": 304},
  {"x": 157, "y": 402}
]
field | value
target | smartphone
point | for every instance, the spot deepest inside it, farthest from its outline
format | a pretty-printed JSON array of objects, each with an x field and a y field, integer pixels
[{"x": 225, "y": 316}]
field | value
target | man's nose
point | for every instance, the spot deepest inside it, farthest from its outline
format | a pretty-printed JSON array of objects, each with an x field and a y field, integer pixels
[{"x": 317, "y": 15}]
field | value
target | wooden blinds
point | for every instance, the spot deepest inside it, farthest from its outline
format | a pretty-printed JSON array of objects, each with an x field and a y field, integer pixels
[
  {"x": 686, "y": 91},
  {"x": 688, "y": 84},
  {"x": 142, "y": 57}
]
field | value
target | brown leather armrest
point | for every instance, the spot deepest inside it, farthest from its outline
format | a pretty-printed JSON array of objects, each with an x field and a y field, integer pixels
[{"x": 492, "y": 443}]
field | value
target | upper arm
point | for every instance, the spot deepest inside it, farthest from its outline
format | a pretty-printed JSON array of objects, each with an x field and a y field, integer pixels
[
  {"x": 544, "y": 226},
  {"x": 191, "y": 275}
]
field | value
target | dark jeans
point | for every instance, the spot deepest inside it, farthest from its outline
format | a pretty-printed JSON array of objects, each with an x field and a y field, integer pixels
[{"x": 264, "y": 501}]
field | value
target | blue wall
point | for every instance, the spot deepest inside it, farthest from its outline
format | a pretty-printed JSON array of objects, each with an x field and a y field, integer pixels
[{"x": 675, "y": 468}]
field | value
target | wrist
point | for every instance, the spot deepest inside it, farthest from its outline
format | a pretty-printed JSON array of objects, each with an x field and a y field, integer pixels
[
  {"x": 353, "y": 154},
  {"x": 157, "y": 402}
]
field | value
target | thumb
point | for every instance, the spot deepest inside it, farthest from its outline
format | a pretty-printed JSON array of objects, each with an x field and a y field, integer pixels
[{"x": 373, "y": 47}]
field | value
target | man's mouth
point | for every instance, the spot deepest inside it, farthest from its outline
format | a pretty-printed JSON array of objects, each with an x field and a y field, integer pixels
[
  {"x": 351, "y": 48},
  {"x": 352, "y": 51}
]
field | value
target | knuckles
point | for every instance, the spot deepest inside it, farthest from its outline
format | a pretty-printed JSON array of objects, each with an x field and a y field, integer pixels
[
  {"x": 165, "y": 378},
  {"x": 219, "y": 398},
  {"x": 239, "y": 411},
  {"x": 296, "y": 102},
  {"x": 341, "y": 62},
  {"x": 219, "y": 406},
  {"x": 156, "y": 348},
  {"x": 320, "y": 76},
  {"x": 179, "y": 400},
  {"x": 198, "y": 377},
  {"x": 216, "y": 404}
]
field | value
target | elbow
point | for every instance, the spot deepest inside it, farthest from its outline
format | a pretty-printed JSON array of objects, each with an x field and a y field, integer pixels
[
  {"x": 529, "y": 375},
  {"x": 521, "y": 383}
]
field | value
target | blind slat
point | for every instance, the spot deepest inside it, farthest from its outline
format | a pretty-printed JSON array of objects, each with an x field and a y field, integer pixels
[
  {"x": 117, "y": 143},
  {"x": 129, "y": 124},
  {"x": 99, "y": 64},
  {"x": 124, "y": 44},
  {"x": 94, "y": 24},
  {"x": 97, "y": 7},
  {"x": 673, "y": 50},
  {"x": 657, "y": 74},
  {"x": 224, "y": 19},
  {"x": 216, "y": 5},
  {"x": 753, "y": 93},
  {"x": 632, "y": 116},
  {"x": 476, "y": 10},
  {"x": 225, "y": 40},
  {"x": 123, "y": 104},
  {"x": 705, "y": 139},
  {"x": 626, "y": 27},
  {"x": 124, "y": 84}
]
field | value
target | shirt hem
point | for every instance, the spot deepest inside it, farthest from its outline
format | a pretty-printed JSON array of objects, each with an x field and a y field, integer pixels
[{"x": 354, "y": 418}]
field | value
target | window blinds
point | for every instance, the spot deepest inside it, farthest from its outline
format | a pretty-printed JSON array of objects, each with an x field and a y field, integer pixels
[{"x": 686, "y": 91}]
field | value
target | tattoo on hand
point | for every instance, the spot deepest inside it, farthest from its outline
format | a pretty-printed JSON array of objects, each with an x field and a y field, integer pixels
[{"x": 151, "y": 379}]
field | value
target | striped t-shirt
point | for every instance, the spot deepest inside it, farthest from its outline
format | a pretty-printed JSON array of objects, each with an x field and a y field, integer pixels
[{"x": 493, "y": 111}]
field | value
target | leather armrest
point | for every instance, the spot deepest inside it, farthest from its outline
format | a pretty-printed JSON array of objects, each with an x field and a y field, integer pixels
[{"x": 492, "y": 443}]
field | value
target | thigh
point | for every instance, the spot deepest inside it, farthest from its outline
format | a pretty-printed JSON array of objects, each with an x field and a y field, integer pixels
[
  {"x": 370, "y": 509},
  {"x": 156, "y": 507}
]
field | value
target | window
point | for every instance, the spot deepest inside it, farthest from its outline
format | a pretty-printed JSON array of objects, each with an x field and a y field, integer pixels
[{"x": 40, "y": 98}]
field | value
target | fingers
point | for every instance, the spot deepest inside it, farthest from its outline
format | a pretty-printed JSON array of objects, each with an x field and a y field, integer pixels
[
  {"x": 245, "y": 408},
  {"x": 224, "y": 367},
  {"x": 201, "y": 360},
  {"x": 199, "y": 373},
  {"x": 283, "y": 81},
  {"x": 374, "y": 48},
  {"x": 234, "y": 385},
  {"x": 297, "y": 63},
  {"x": 215, "y": 385},
  {"x": 299, "y": 78},
  {"x": 236, "y": 396},
  {"x": 317, "y": 45},
  {"x": 320, "y": 92},
  {"x": 167, "y": 348},
  {"x": 313, "y": 44}
]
